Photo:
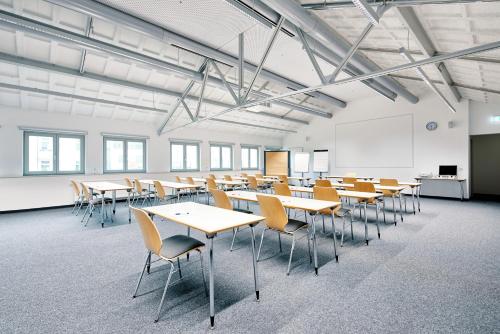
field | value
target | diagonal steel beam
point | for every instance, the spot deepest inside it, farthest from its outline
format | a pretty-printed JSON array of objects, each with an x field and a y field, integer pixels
[
  {"x": 84, "y": 51},
  {"x": 202, "y": 92},
  {"x": 264, "y": 57},
  {"x": 228, "y": 87},
  {"x": 427, "y": 80},
  {"x": 310, "y": 54},
  {"x": 409, "y": 18},
  {"x": 190, "y": 114}
]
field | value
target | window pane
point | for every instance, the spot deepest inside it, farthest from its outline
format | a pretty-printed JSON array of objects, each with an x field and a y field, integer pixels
[
  {"x": 177, "y": 156},
  {"x": 41, "y": 153},
  {"x": 114, "y": 155},
  {"x": 70, "y": 154},
  {"x": 191, "y": 157},
  {"x": 214, "y": 157},
  {"x": 226, "y": 157},
  {"x": 135, "y": 155},
  {"x": 254, "y": 158},
  {"x": 244, "y": 157}
]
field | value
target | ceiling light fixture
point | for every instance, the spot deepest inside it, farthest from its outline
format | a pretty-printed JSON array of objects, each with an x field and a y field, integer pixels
[{"x": 367, "y": 10}]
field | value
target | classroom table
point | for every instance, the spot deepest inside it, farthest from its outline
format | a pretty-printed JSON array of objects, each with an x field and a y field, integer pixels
[
  {"x": 102, "y": 187},
  {"x": 313, "y": 206},
  {"x": 176, "y": 186},
  {"x": 460, "y": 182},
  {"x": 209, "y": 220},
  {"x": 341, "y": 177},
  {"x": 349, "y": 194}
]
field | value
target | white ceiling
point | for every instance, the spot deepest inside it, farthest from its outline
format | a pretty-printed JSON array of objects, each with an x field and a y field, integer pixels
[{"x": 216, "y": 23}]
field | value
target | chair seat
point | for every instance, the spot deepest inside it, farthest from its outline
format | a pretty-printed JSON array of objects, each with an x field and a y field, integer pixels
[
  {"x": 177, "y": 245},
  {"x": 242, "y": 210},
  {"x": 294, "y": 225}
]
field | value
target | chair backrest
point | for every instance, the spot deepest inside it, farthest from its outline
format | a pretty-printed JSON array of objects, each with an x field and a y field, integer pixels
[
  {"x": 326, "y": 194},
  {"x": 388, "y": 182},
  {"x": 160, "y": 191},
  {"x": 211, "y": 183},
  {"x": 85, "y": 192},
  {"x": 138, "y": 185},
  {"x": 75, "y": 188},
  {"x": 211, "y": 176},
  {"x": 221, "y": 199},
  {"x": 366, "y": 187},
  {"x": 228, "y": 178},
  {"x": 323, "y": 183},
  {"x": 273, "y": 210},
  {"x": 252, "y": 182},
  {"x": 244, "y": 174},
  {"x": 128, "y": 182},
  {"x": 189, "y": 180},
  {"x": 178, "y": 179},
  {"x": 259, "y": 176},
  {"x": 150, "y": 234},
  {"x": 349, "y": 180},
  {"x": 282, "y": 189},
  {"x": 283, "y": 178}
]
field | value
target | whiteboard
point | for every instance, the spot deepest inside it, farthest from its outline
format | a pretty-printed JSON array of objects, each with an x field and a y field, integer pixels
[
  {"x": 383, "y": 142},
  {"x": 320, "y": 164},
  {"x": 301, "y": 162}
]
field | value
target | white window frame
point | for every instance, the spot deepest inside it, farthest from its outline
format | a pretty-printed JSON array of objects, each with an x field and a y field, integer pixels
[
  {"x": 250, "y": 147},
  {"x": 55, "y": 139},
  {"x": 220, "y": 146},
  {"x": 125, "y": 140},
  {"x": 184, "y": 151}
]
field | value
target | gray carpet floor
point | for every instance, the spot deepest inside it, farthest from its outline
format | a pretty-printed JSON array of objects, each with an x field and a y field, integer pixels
[{"x": 437, "y": 272}]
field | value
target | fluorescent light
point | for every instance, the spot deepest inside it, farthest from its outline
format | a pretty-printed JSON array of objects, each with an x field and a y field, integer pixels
[
  {"x": 367, "y": 10},
  {"x": 259, "y": 107}
]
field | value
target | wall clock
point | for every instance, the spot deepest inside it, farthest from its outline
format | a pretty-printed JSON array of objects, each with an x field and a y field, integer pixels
[{"x": 431, "y": 126}]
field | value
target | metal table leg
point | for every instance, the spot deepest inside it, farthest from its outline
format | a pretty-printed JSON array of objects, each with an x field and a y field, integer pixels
[
  {"x": 315, "y": 249},
  {"x": 394, "y": 208},
  {"x": 400, "y": 207},
  {"x": 413, "y": 198},
  {"x": 254, "y": 261},
  {"x": 334, "y": 237},
  {"x": 114, "y": 201},
  {"x": 418, "y": 197},
  {"x": 102, "y": 209},
  {"x": 129, "y": 211},
  {"x": 366, "y": 224},
  {"x": 211, "y": 279}
]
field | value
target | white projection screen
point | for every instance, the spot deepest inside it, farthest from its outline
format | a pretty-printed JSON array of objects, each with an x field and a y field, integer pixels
[
  {"x": 381, "y": 142},
  {"x": 320, "y": 163}
]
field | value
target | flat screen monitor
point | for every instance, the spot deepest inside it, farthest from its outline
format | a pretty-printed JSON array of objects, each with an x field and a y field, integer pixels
[{"x": 447, "y": 170}]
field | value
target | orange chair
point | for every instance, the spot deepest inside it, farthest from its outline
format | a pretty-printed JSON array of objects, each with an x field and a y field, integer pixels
[
  {"x": 393, "y": 195},
  {"x": 368, "y": 187},
  {"x": 323, "y": 183},
  {"x": 277, "y": 220},
  {"x": 78, "y": 197},
  {"x": 169, "y": 250},
  {"x": 222, "y": 201},
  {"x": 330, "y": 194}
]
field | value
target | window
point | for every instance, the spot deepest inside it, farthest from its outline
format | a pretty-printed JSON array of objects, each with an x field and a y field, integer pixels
[
  {"x": 221, "y": 157},
  {"x": 249, "y": 157},
  {"x": 124, "y": 155},
  {"x": 48, "y": 153},
  {"x": 184, "y": 156}
]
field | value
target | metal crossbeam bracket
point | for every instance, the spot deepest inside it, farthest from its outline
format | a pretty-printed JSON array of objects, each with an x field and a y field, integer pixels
[{"x": 310, "y": 54}]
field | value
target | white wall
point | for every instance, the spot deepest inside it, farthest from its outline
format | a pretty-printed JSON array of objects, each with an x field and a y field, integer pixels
[
  {"x": 18, "y": 192},
  {"x": 481, "y": 118},
  {"x": 430, "y": 149}
]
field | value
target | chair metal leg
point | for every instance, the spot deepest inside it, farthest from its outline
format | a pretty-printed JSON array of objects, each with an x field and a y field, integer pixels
[
  {"x": 291, "y": 254},
  {"x": 376, "y": 214},
  {"x": 165, "y": 291},
  {"x": 343, "y": 229},
  {"x": 400, "y": 208},
  {"x": 324, "y": 230},
  {"x": 142, "y": 274},
  {"x": 85, "y": 213},
  {"x": 309, "y": 245},
  {"x": 179, "y": 267},
  {"x": 383, "y": 208},
  {"x": 279, "y": 241},
  {"x": 260, "y": 246},
  {"x": 352, "y": 231},
  {"x": 234, "y": 237},
  {"x": 203, "y": 273}
]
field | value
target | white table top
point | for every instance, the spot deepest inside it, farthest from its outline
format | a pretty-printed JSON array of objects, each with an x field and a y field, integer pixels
[
  {"x": 195, "y": 179},
  {"x": 106, "y": 186},
  {"x": 440, "y": 178},
  {"x": 342, "y": 176},
  {"x": 342, "y": 193},
  {"x": 230, "y": 183},
  {"x": 307, "y": 204},
  {"x": 205, "y": 218},
  {"x": 168, "y": 184}
]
